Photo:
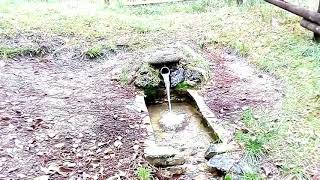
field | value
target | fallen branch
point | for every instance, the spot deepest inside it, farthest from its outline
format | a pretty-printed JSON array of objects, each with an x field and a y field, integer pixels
[
  {"x": 305, "y": 13},
  {"x": 310, "y": 26}
]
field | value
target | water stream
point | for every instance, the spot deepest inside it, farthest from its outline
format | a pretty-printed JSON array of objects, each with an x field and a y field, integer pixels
[{"x": 165, "y": 72}]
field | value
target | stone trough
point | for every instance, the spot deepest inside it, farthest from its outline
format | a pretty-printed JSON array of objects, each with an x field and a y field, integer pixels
[{"x": 177, "y": 152}]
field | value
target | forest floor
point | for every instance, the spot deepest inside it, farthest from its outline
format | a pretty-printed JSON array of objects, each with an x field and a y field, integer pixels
[{"x": 65, "y": 112}]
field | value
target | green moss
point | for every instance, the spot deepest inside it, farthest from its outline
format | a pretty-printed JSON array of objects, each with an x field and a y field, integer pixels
[
  {"x": 147, "y": 76},
  {"x": 183, "y": 86}
]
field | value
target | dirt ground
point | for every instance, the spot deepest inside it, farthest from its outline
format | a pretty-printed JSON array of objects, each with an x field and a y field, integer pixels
[{"x": 66, "y": 116}]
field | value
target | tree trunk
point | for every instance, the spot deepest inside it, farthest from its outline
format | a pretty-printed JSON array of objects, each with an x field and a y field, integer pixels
[
  {"x": 316, "y": 36},
  {"x": 305, "y": 13},
  {"x": 310, "y": 26}
]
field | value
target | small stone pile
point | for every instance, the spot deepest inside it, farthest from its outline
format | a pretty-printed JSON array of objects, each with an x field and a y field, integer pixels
[{"x": 187, "y": 68}]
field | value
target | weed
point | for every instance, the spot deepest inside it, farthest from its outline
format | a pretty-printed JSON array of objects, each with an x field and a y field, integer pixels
[
  {"x": 143, "y": 173},
  {"x": 253, "y": 145},
  {"x": 94, "y": 51}
]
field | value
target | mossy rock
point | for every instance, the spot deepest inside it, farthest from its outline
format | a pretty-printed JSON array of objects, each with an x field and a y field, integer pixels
[{"x": 147, "y": 76}]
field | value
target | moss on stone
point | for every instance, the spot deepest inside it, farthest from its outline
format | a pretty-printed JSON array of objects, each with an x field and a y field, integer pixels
[
  {"x": 183, "y": 86},
  {"x": 147, "y": 76},
  {"x": 196, "y": 62}
]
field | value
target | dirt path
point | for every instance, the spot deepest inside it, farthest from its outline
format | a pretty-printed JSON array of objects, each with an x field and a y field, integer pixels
[{"x": 66, "y": 118}]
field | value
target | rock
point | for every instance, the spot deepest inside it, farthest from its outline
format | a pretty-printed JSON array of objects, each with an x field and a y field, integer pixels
[
  {"x": 215, "y": 149},
  {"x": 165, "y": 56},
  {"x": 171, "y": 121},
  {"x": 231, "y": 163},
  {"x": 225, "y": 163},
  {"x": 193, "y": 76},
  {"x": 175, "y": 170},
  {"x": 147, "y": 76},
  {"x": 176, "y": 77},
  {"x": 117, "y": 143},
  {"x": 163, "y": 156}
]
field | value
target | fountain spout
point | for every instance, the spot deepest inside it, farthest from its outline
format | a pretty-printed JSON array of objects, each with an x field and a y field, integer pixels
[{"x": 165, "y": 72}]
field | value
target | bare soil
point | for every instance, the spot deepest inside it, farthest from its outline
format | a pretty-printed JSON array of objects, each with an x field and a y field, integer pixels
[{"x": 61, "y": 116}]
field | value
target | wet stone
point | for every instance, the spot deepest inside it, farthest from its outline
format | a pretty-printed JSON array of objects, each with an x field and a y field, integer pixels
[{"x": 176, "y": 76}]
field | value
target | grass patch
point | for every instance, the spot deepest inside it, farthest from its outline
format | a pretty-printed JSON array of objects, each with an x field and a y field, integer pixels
[
  {"x": 143, "y": 173},
  {"x": 253, "y": 145},
  {"x": 9, "y": 52},
  {"x": 94, "y": 52}
]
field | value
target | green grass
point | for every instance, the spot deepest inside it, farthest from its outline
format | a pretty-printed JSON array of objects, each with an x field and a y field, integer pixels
[
  {"x": 10, "y": 52},
  {"x": 287, "y": 51},
  {"x": 143, "y": 173},
  {"x": 94, "y": 52}
]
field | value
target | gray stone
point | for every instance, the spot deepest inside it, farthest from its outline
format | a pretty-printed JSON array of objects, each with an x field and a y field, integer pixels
[
  {"x": 231, "y": 163},
  {"x": 165, "y": 56},
  {"x": 174, "y": 170},
  {"x": 192, "y": 75},
  {"x": 163, "y": 156},
  {"x": 225, "y": 163},
  {"x": 215, "y": 149},
  {"x": 176, "y": 77}
]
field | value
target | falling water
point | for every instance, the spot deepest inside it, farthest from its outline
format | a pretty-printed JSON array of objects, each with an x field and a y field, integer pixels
[{"x": 165, "y": 72}]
